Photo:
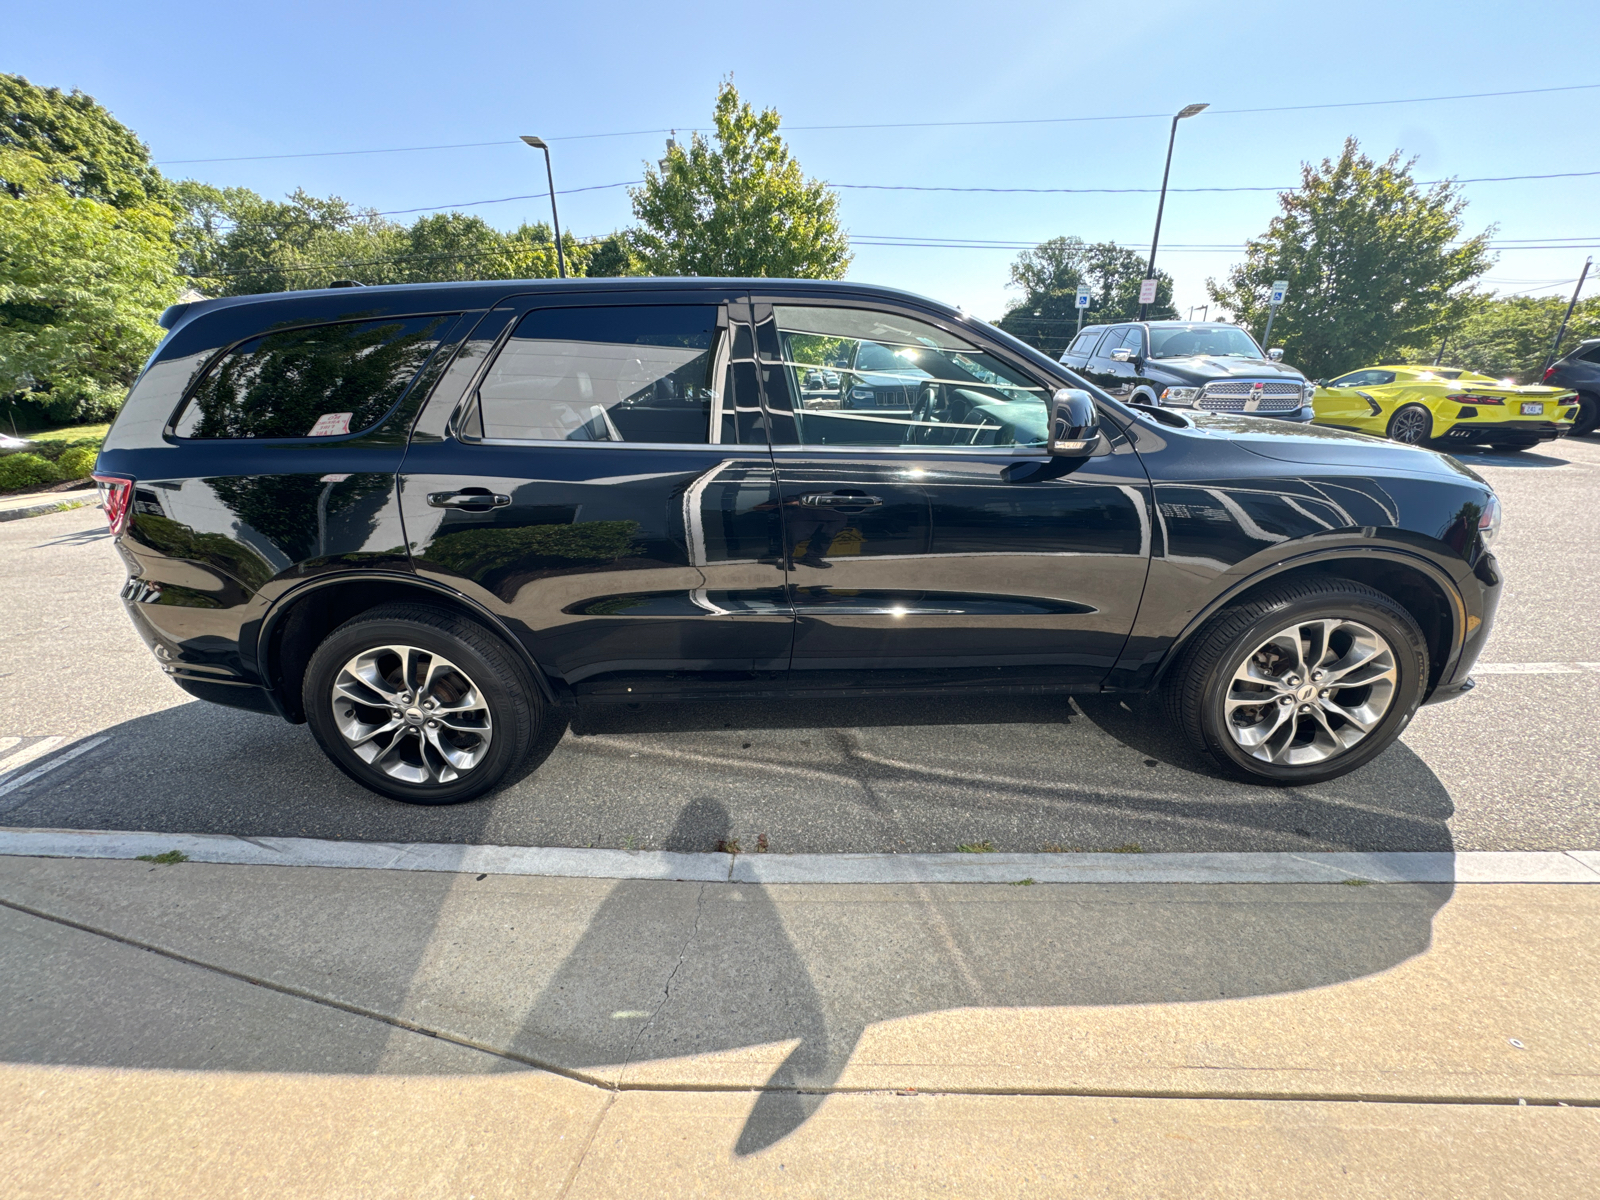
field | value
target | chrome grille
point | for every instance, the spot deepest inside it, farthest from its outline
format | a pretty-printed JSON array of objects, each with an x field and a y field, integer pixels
[{"x": 1233, "y": 394}]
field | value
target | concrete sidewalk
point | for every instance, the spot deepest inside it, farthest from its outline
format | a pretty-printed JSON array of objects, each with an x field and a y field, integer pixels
[{"x": 198, "y": 1029}]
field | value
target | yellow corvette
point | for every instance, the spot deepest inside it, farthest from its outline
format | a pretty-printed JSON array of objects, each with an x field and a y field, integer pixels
[{"x": 1444, "y": 405}]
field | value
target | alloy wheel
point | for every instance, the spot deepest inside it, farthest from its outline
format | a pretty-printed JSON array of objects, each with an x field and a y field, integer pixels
[
  {"x": 1411, "y": 426},
  {"x": 412, "y": 714},
  {"x": 1310, "y": 692}
]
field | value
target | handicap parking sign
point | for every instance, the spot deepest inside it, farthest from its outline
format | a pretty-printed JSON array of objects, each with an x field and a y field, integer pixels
[
  {"x": 1083, "y": 295},
  {"x": 1280, "y": 288}
]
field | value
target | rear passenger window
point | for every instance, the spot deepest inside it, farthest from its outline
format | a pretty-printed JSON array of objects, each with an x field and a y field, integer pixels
[
  {"x": 1111, "y": 340},
  {"x": 638, "y": 373},
  {"x": 1592, "y": 354},
  {"x": 1085, "y": 342},
  {"x": 316, "y": 381}
]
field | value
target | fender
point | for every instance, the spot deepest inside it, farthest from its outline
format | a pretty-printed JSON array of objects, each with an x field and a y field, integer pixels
[
  {"x": 1395, "y": 554},
  {"x": 279, "y": 606}
]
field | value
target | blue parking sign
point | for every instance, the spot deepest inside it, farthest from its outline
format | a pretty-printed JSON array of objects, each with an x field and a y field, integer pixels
[{"x": 1083, "y": 295}]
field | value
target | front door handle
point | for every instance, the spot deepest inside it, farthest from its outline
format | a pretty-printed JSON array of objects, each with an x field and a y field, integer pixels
[
  {"x": 841, "y": 500},
  {"x": 469, "y": 499}
]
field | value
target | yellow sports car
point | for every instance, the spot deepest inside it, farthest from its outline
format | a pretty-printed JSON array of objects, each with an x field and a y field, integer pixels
[{"x": 1444, "y": 405}]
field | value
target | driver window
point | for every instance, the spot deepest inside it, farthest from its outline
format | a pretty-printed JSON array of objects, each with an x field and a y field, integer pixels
[
  {"x": 861, "y": 378},
  {"x": 637, "y": 373}
]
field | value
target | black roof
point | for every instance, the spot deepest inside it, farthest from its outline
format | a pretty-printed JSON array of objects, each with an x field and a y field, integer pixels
[{"x": 473, "y": 293}]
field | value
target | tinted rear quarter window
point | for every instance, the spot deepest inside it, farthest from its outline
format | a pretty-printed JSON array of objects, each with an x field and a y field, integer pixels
[
  {"x": 1084, "y": 342},
  {"x": 1592, "y": 354},
  {"x": 314, "y": 381}
]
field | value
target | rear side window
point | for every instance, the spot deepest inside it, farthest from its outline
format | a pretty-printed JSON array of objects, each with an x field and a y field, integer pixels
[
  {"x": 1592, "y": 354},
  {"x": 1110, "y": 341},
  {"x": 1085, "y": 342},
  {"x": 634, "y": 373},
  {"x": 316, "y": 381}
]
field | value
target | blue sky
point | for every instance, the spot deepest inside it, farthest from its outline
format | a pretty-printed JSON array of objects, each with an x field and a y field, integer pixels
[{"x": 212, "y": 81}]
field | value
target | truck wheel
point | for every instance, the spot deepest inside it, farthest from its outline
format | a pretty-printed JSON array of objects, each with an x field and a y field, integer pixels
[
  {"x": 421, "y": 705},
  {"x": 1301, "y": 684}
]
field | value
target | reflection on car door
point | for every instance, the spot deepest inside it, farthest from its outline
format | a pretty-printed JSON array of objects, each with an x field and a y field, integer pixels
[
  {"x": 607, "y": 488},
  {"x": 942, "y": 546},
  {"x": 1101, "y": 370}
]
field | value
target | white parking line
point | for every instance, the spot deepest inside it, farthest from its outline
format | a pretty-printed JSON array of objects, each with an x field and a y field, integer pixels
[
  {"x": 1576, "y": 866},
  {"x": 13, "y": 784},
  {"x": 11, "y": 762}
]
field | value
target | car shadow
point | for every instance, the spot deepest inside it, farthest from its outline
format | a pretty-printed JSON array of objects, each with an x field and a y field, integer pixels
[
  {"x": 1540, "y": 457},
  {"x": 619, "y": 981}
]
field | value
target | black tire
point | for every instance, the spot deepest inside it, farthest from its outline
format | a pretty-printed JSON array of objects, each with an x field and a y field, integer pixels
[
  {"x": 1197, "y": 686},
  {"x": 1588, "y": 414},
  {"x": 504, "y": 689},
  {"x": 1410, "y": 425}
]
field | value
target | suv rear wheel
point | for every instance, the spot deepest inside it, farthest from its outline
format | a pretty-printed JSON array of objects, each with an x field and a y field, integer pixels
[
  {"x": 420, "y": 705},
  {"x": 1588, "y": 414},
  {"x": 1302, "y": 684}
]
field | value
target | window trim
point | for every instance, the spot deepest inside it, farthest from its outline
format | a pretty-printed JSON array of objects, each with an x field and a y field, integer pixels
[
  {"x": 449, "y": 340},
  {"x": 468, "y": 405},
  {"x": 773, "y": 300}
]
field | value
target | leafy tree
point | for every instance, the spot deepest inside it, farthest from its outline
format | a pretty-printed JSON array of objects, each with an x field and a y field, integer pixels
[
  {"x": 1512, "y": 336},
  {"x": 611, "y": 256},
  {"x": 1374, "y": 263},
  {"x": 1049, "y": 275},
  {"x": 740, "y": 207},
  {"x": 235, "y": 242},
  {"x": 81, "y": 285},
  {"x": 84, "y": 149}
]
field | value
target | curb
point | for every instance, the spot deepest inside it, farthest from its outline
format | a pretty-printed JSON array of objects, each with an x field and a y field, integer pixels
[
  {"x": 1483, "y": 866},
  {"x": 76, "y": 500}
]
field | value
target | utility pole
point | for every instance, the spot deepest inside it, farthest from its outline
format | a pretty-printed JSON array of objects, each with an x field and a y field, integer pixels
[
  {"x": 1562, "y": 332},
  {"x": 1148, "y": 289}
]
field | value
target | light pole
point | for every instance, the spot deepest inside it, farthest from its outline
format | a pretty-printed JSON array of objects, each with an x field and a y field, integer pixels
[
  {"x": 538, "y": 144},
  {"x": 1188, "y": 110}
]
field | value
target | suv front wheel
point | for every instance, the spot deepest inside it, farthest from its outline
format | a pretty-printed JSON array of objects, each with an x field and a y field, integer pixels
[
  {"x": 420, "y": 705},
  {"x": 1301, "y": 684}
]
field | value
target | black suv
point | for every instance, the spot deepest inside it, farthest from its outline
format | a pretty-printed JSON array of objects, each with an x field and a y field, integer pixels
[
  {"x": 1579, "y": 370},
  {"x": 420, "y": 518},
  {"x": 1207, "y": 365}
]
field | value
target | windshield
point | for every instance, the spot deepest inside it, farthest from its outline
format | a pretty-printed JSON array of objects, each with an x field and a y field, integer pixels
[{"x": 1220, "y": 341}]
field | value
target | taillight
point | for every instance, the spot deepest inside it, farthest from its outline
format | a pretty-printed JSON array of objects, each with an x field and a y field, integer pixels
[
  {"x": 1548, "y": 371},
  {"x": 1464, "y": 398},
  {"x": 116, "y": 498}
]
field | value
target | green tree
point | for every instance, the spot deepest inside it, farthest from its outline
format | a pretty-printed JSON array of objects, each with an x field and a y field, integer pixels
[
  {"x": 1374, "y": 264},
  {"x": 81, "y": 285},
  {"x": 739, "y": 207},
  {"x": 1049, "y": 274},
  {"x": 1511, "y": 337},
  {"x": 612, "y": 256},
  {"x": 83, "y": 148}
]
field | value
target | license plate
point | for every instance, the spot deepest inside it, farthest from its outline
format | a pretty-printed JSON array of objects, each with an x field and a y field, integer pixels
[{"x": 1533, "y": 408}]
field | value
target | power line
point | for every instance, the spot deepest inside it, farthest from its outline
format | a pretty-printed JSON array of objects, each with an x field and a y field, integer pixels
[
  {"x": 597, "y": 187},
  {"x": 573, "y": 137},
  {"x": 917, "y": 187}
]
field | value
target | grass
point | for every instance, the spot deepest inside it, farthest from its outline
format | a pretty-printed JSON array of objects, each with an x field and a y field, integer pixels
[
  {"x": 728, "y": 846},
  {"x": 1128, "y": 848},
  {"x": 1356, "y": 882},
  {"x": 1023, "y": 882},
  {"x": 69, "y": 433},
  {"x": 167, "y": 858},
  {"x": 984, "y": 847}
]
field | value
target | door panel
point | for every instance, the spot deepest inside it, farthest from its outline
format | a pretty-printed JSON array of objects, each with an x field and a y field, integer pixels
[
  {"x": 628, "y": 569},
  {"x": 928, "y": 565}
]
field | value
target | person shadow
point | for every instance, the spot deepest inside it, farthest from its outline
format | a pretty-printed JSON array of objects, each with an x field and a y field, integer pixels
[{"x": 659, "y": 975}]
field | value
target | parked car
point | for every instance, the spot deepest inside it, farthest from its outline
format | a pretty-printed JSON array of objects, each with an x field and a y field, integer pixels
[
  {"x": 1419, "y": 405},
  {"x": 1579, "y": 370},
  {"x": 1207, "y": 365},
  {"x": 422, "y": 518}
]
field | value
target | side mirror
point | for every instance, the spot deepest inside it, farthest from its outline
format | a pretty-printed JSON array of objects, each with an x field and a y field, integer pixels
[
  {"x": 1074, "y": 423},
  {"x": 1122, "y": 354},
  {"x": 1276, "y": 354}
]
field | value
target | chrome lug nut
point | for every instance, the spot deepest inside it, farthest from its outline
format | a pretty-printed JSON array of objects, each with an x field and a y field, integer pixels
[
  {"x": 1305, "y": 708},
  {"x": 433, "y": 724},
  {"x": 1285, "y": 699},
  {"x": 1293, "y": 681}
]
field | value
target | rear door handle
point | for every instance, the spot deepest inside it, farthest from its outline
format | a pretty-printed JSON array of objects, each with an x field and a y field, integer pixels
[
  {"x": 841, "y": 500},
  {"x": 470, "y": 499}
]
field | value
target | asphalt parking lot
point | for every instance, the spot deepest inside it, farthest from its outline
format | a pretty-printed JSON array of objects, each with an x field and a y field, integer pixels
[{"x": 1513, "y": 765}]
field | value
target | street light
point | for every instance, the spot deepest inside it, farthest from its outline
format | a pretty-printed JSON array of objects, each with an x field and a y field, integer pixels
[
  {"x": 1188, "y": 110},
  {"x": 538, "y": 144}
]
